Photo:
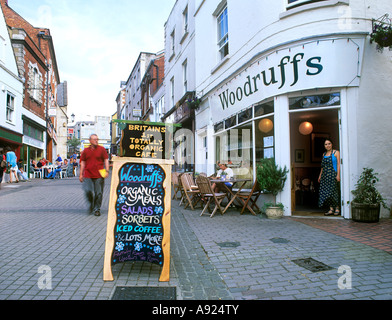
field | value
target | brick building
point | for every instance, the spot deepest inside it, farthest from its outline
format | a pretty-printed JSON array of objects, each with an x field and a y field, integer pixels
[
  {"x": 150, "y": 84},
  {"x": 36, "y": 60}
]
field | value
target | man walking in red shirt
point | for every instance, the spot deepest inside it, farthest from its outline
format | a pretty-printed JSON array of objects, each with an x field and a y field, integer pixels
[{"x": 92, "y": 161}]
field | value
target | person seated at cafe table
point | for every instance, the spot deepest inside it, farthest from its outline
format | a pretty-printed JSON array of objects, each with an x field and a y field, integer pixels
[
  {"x": 21, "y": 173},
  {"x": 226, "y": 173},
  {"x": 52, "y": 173},
  {"x": 33, "y": 166}
]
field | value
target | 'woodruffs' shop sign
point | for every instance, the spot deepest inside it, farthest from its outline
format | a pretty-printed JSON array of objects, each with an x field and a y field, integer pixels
[{"x": 319, "y": 64}]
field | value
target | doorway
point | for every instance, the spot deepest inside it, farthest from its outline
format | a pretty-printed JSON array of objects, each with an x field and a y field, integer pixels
[{"x": 307, "y": 149}]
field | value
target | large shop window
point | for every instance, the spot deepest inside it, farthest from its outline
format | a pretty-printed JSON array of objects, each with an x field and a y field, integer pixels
[
  {"x": 264, "y": 129},
  {"x": 236, "y": 144},
  {"x": 234, "y": 148}
]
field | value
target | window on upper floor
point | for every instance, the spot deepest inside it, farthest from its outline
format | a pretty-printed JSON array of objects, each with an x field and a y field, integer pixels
[
  {"x": 2, "y": 50},
  {"x": 295, "y": 3},
  {"x": 185, "y": 75},
  {"x": 10, "y": 108},
  {"x": 173, "y": 42},
  {"x": 223, "y": 33},
  {"x": 185, "y": 20},
  {"x": 36, "y": 83},
  {"x": 172, "y": 92}
]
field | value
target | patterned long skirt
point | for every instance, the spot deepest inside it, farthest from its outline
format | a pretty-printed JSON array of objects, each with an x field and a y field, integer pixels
[{"x": 329, "y": 186}]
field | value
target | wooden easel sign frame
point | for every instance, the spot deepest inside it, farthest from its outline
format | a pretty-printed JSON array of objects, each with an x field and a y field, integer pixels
[{"x": 138, "y": 227}]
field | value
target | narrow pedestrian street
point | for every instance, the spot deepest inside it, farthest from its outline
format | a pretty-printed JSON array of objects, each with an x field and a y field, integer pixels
[{"x": 45, "y": 224}]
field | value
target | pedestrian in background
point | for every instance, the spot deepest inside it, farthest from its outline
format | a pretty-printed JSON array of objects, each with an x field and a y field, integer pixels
[
  {"x": 93, "y": 161},
  {"x": 329, "y": 179},
  {"x": 3, "y": 165},
  {"x": 11, "y": 162},
  {"x": 70, "y": 168}
]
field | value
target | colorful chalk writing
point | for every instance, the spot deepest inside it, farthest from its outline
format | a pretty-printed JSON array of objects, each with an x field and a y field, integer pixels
[
  {"x": 144, "y": 141},
  {"x": 139, "y": 209}
]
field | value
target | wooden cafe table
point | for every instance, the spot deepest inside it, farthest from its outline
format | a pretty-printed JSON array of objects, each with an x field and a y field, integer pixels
[{"x": 234, "y": 195}]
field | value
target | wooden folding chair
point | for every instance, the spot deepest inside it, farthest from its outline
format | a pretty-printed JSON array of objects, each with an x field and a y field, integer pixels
[
  {"x": 207, "y": 195},
  {"x": 190, "y": 193},
  {"x": 175, "y": 184},
  {"x": 250, "y": 198}
]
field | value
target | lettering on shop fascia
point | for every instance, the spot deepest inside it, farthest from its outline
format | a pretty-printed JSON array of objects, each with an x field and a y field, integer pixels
[{"x": 313, "y": 64}]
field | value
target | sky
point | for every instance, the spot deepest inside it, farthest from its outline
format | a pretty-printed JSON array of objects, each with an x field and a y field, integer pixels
[{"x": 97, "y": 43}]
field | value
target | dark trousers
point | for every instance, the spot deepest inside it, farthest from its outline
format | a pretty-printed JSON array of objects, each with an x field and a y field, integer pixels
[{"x": 93, "y": 189}]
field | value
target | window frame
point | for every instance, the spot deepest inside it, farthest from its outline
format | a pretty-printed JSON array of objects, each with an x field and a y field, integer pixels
[
  {"x": 185, "y": 20},
  {"x": 222, "y": 21},
  {"x": 185, "y": 75},
  {"x": 2, "y": 49},
  {"x": 172, "y": 91},
  {"x": 36, "y": 83},
  {"x": 10, "y": 109},
  {"x": 173, "y": 44}
]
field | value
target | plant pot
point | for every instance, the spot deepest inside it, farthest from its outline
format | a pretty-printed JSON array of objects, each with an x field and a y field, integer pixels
[
  {"x": 365, "y": 212},
  {"x": 274, "y": 212}
]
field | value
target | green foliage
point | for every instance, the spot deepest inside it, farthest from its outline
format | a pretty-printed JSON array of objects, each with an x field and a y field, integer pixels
[
  {"x": 74, "y": 142},
  {"x": 382, "y": 35},
  {"x": 366, "y": 191},
  {"x": 266, "y": 205},
  {"x": 271, "y": 177}
]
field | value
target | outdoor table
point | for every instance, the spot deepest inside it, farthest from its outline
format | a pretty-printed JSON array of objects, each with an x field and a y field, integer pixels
[
  {"x": 234, "y": 196},
  {"x": 45, "y": 169}
]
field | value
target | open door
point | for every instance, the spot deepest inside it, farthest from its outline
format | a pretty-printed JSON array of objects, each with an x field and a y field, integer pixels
[{"x": 306, "y": 155}]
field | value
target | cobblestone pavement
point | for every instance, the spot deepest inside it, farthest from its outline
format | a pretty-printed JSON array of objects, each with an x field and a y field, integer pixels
[{"x": 230, "y": 257}]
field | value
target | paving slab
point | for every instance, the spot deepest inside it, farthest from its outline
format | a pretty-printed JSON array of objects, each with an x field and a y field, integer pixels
[{"x": 45, "y": 224}]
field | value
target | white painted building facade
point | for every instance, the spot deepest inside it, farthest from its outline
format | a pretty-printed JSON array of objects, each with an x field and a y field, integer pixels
[
  {"x": 11, "y": 92},
  {"x": 133, "y": 107},
  {"x": 264, "y": 67},
  {"x": 180, "y": 79}
]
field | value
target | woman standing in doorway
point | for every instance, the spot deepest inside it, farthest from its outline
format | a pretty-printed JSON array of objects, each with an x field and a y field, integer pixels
[{"x": 329, "y": 179}]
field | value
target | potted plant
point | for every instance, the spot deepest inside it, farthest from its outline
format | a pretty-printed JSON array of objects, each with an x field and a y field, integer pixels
[
  {"x": 365, "y": 206},
  {"x": 273, "y": 210},
  {"x": 271, "y": 179},
  {"x": 382, "y": 35},
  {"x": 194, "y": 103}
]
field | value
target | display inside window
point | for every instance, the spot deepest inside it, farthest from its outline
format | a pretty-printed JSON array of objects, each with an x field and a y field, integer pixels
[
  {"x": 265, "y": 138},
  {"x": 245, "y": 115},
  {"x": 295, "y": 3},
  {"x": 218, "y": 127},
  {"x": 264, "y": 109},
  {"x": 230, "y": 122},
  {"x": 324, "y": 100},
  {"x": 234, "y": 147}
]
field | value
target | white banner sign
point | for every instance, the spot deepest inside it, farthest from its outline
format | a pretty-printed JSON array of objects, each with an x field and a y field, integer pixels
[{"x": 317, "y": 64}]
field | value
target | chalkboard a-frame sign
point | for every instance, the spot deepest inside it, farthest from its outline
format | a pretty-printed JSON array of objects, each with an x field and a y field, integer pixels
[
  {"x": 138, "y": 227},
  {"x": 141, "y": 139}
]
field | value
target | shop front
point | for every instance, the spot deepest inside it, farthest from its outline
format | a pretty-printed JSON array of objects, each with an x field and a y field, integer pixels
[
  {"x": 183, "y": 114},
  {"x": 33, "y": 139},
  {"x": 10, "y": 139},
  {"x": 283, "y": 104}
]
